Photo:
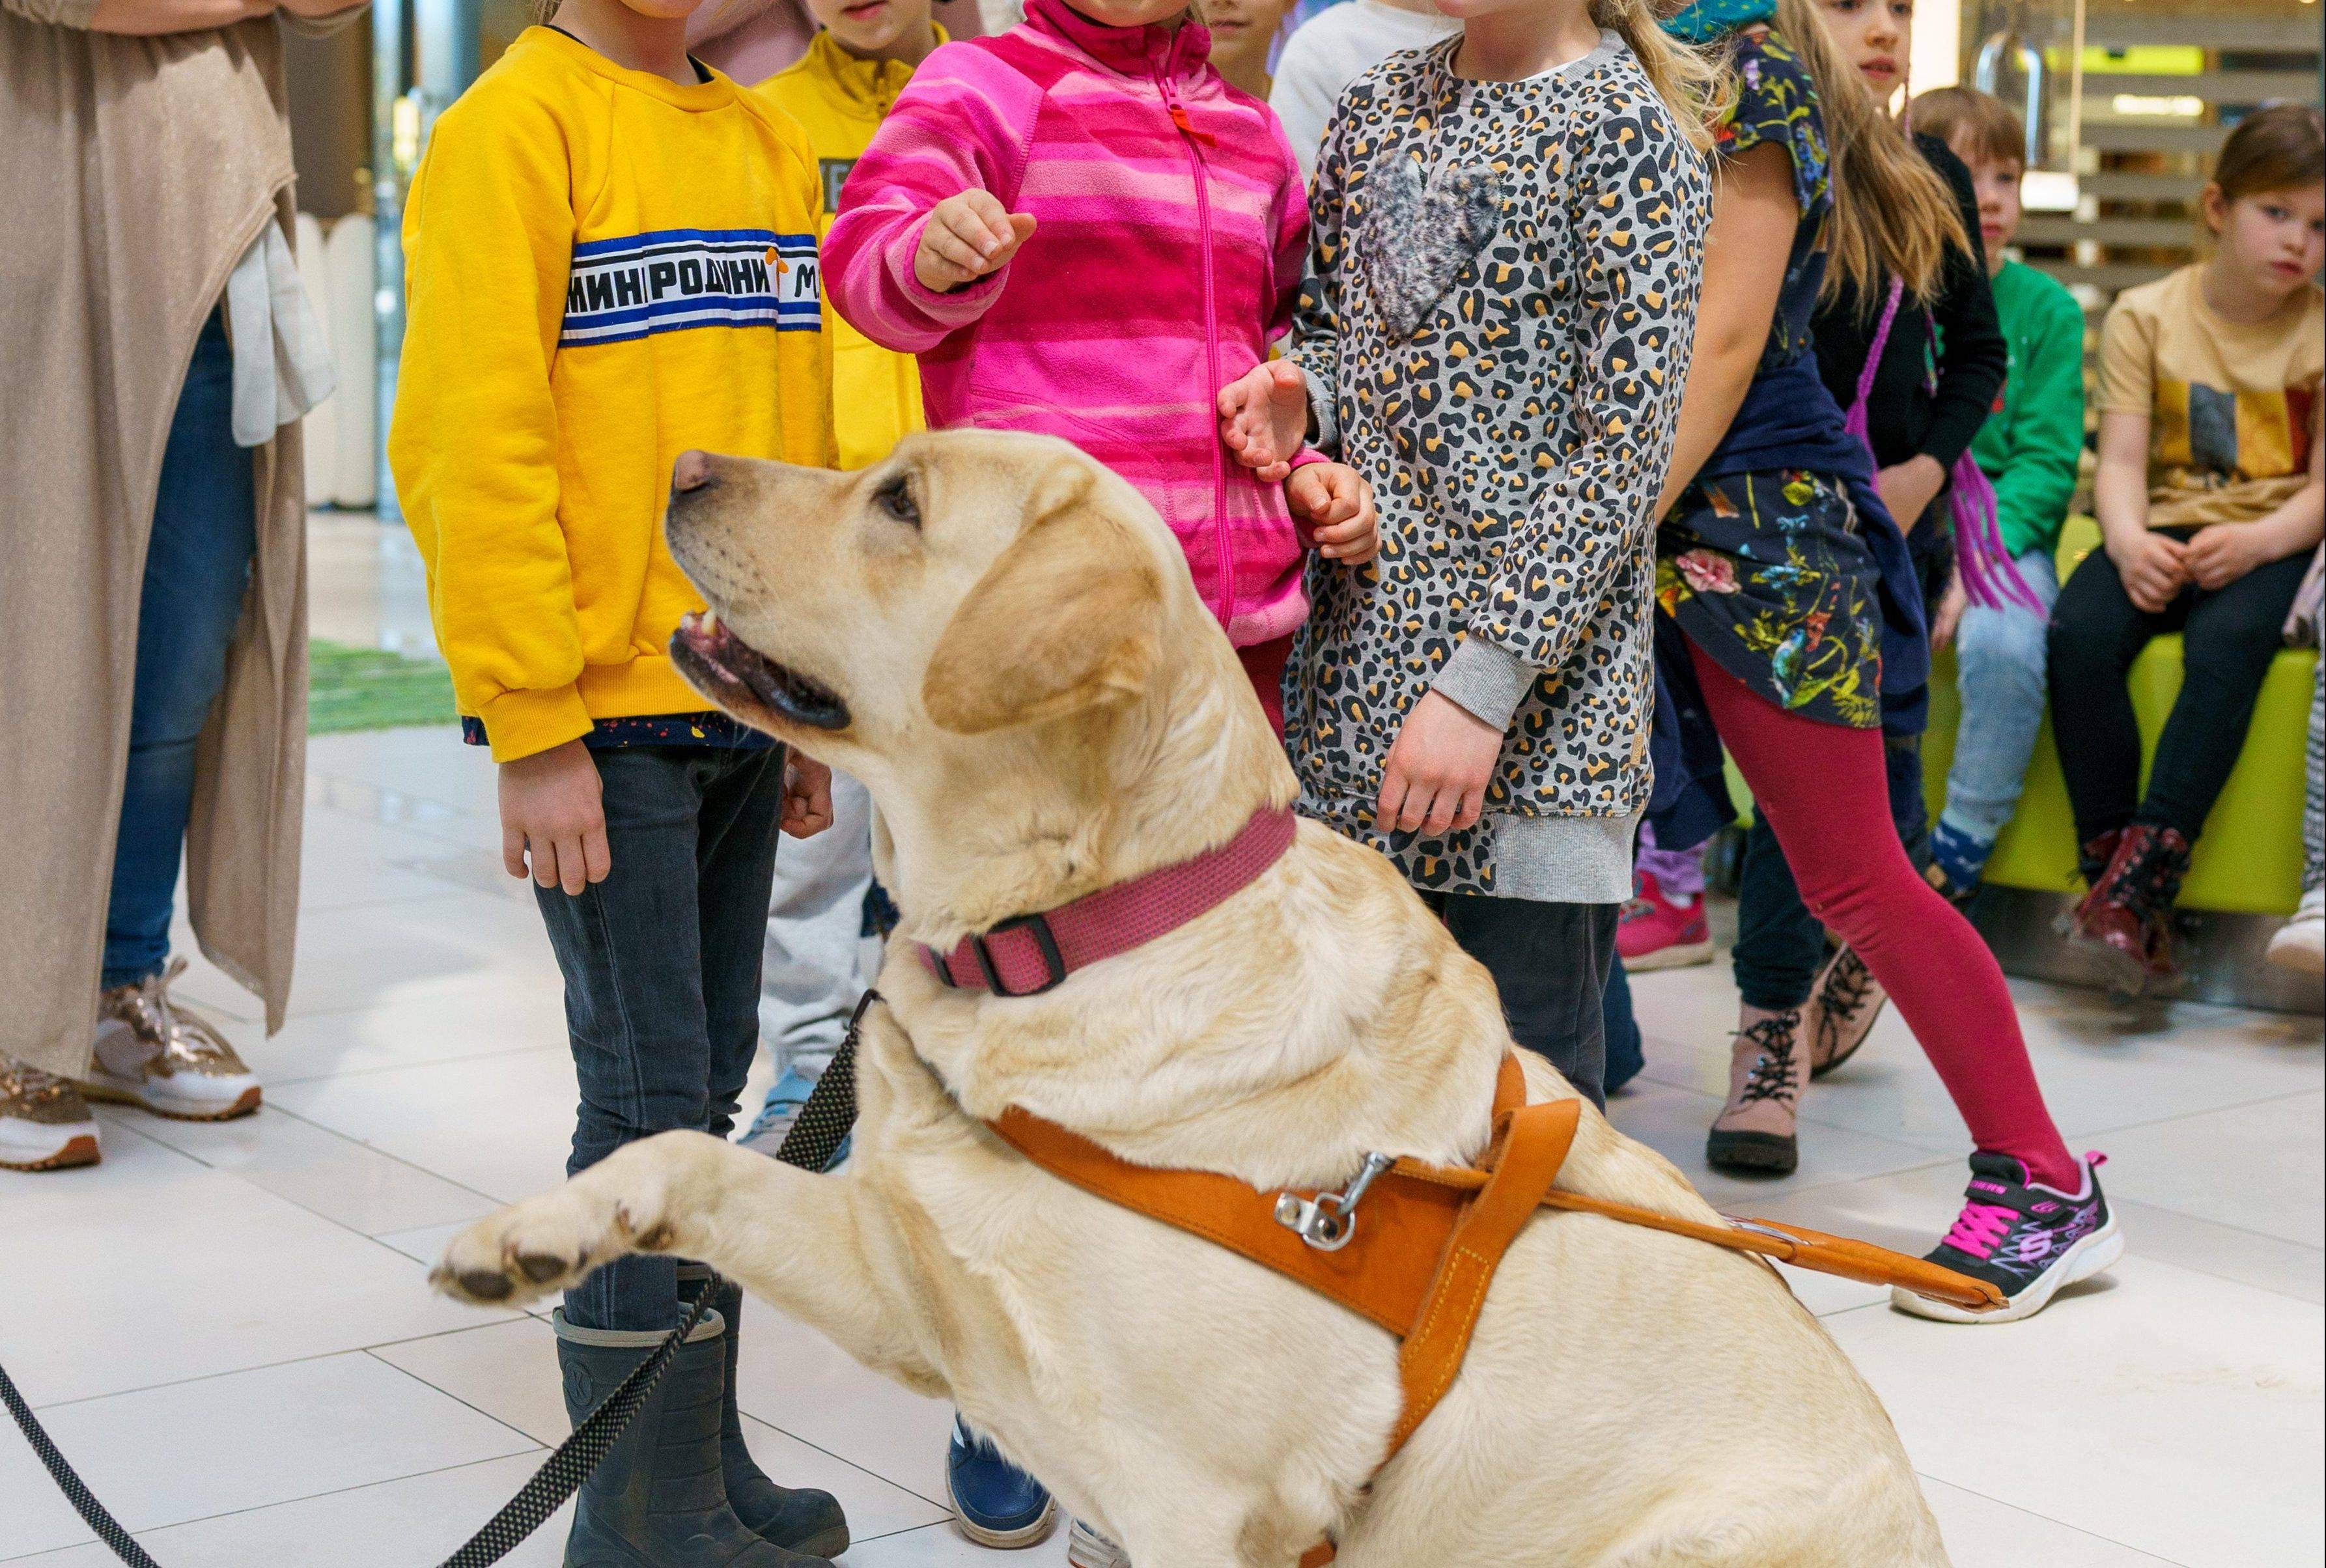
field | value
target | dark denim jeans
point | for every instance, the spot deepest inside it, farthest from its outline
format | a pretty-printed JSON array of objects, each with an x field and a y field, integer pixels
[
  {"x": 197, "y": 570},
  {"x": 661, "y": 963},
  {"x": 1626, "y": 1051},
  {"x": 1550, "y": 963}
]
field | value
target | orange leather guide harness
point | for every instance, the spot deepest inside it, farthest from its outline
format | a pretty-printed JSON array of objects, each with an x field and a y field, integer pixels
[{"x": 1413, "y": 1247}]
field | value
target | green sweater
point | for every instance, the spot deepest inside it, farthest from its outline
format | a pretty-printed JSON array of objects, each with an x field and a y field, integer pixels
[{"x": 2029, "y": 446}]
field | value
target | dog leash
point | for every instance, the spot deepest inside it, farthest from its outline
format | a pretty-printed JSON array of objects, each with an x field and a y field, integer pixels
[
  {"x": 558, "y": 1479},
  {"x": 824, "y": 1124}
]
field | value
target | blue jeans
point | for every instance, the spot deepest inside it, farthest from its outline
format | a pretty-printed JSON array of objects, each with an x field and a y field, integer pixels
[
  {"x": 1999, "y": 672},
  {"x": 661, "y": 963},
  {"x": 197, "y": 570}
]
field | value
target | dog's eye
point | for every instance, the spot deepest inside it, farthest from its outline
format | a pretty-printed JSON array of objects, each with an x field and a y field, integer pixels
[{"x": 896, "y": 499}]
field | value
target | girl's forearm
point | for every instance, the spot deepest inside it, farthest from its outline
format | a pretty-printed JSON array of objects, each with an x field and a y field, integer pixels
[
  {"x": 2120, "y": 502},
  {"x": 1717, "y": 380},
  {"x": 2297, "y": 526},
  {"x": 152, "y": 18}
]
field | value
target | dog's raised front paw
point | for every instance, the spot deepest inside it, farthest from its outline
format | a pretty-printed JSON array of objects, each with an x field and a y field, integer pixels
[{"x": 548, "y": 1243}]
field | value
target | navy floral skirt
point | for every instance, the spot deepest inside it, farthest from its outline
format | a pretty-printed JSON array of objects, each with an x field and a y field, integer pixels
[{"x": 1768, "y": 573}]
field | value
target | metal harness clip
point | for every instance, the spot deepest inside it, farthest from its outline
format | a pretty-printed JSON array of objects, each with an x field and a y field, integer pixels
[{"x": 1329, "y": 1220}]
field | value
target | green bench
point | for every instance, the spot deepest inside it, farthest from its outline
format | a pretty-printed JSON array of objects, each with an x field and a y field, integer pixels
[{"x": 2249, "y": 860}]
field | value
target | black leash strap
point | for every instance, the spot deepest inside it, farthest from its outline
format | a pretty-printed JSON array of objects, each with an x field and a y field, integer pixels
[
  {"x": 830, "y": 1112},
  {"x": 824, "y": 1125},
  {"x": 92, "y": 1512}
]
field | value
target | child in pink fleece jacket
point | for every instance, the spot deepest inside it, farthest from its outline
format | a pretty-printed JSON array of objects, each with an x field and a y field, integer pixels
[{"x": 1081, "y": 229}]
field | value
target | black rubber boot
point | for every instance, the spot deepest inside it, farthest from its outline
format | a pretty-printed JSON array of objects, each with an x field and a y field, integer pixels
[
  {"x": 803, "y": 1521},
  {"x": 657, "y": 1499}
]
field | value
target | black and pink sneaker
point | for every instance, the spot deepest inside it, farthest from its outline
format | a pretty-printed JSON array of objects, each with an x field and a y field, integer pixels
[{"x": 2024, "y": 1238}]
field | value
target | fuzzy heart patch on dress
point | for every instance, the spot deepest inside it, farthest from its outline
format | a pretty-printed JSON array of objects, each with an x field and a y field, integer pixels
[{"x": 1417, "y": 237}]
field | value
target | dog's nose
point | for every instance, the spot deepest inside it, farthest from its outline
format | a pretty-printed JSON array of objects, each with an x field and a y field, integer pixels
[{"x": 691, "y": 472}]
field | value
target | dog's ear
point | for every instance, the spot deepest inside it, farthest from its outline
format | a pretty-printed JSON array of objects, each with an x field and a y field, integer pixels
[{"x": 1069, "y": 617}]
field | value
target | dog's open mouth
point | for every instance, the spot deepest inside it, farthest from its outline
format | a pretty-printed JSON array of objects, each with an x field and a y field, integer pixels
[{"x": 736, "y": 675}]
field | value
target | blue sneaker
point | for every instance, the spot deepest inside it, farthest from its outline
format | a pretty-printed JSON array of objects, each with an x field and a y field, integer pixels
[
  {"x": 994, "y": 1502},
  {"x": 774, "y": 1122}
]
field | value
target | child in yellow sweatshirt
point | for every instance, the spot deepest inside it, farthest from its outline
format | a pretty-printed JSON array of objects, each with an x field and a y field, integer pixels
[{"x": 610, "y": 253}]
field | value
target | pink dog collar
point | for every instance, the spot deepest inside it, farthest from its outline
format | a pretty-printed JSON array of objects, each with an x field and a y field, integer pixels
[{"x": 1029, "y": 954}]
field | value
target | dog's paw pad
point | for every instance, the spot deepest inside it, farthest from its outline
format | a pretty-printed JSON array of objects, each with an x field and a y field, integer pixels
[
  {"x": 483, "y": 1285},
  {"x": 542, "y": 1267}
]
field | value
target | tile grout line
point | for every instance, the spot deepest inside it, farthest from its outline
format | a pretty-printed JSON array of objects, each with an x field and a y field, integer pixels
[
  {"x": 861, "y": 1469},
  {"x": 257, "y": 1366},
  {"x": 2031, "y": 1513},
  {"x": 337, "y": 1074},
  {"x": 434, "y": 1388},
  {"x": 371, "y": 1236},
  {"x": 843, "y": 1459},
  {"x": 280, "y": 1503}
]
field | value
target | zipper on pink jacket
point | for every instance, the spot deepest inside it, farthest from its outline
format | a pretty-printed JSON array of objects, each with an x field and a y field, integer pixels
[{"x": 1188, "y": 137}]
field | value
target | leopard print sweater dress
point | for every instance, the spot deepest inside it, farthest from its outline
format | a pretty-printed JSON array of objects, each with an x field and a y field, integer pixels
[{"x": 1496, "y": 323}]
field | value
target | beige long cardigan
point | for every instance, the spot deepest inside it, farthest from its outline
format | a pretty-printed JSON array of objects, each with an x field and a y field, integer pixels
[{"x": 133, "y": 172}]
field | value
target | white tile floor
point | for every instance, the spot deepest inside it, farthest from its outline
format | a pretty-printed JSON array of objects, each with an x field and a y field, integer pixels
[{"x": 227, "y": 1327}]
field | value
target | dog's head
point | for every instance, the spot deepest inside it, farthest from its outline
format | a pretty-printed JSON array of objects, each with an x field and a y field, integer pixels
[
  {"x": 980, "y": 606},
  {"x": 972, "y": 582}
]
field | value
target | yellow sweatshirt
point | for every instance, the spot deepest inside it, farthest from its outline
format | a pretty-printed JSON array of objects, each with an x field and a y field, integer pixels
[
  {"x": 603, "y": 269},
  {"x": 840, "y": 100}
]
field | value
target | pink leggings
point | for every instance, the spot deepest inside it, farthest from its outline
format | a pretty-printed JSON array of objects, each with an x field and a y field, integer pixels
[{"x": 1823, "y": 788}]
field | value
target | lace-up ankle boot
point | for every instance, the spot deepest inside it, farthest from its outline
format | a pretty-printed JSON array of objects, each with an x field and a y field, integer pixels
[
  {"x": 1843, "y": 1005},
  {"x": 1767, "y": 1072},
  {"x": 2128, "y": 917},
  {"x": 2091, "y": 864}
]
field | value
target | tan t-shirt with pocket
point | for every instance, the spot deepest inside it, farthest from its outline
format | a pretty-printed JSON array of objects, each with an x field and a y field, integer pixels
[{"x": 2233, "y": 407}]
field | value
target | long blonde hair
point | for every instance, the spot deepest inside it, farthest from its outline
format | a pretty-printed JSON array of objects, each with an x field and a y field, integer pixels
[
  {"x": 1892, "y": 212},
  {"x": 1696, "y": 84}
]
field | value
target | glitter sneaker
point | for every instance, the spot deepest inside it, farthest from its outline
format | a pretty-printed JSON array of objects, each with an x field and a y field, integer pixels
[
  {"x": 155, "y": 1054},
  {"x": 44, "y": 1123},
  {"x": 2024, "y": 1238}
]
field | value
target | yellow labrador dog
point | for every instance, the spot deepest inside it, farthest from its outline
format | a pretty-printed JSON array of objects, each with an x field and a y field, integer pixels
[{"x": 998, "y": 637}]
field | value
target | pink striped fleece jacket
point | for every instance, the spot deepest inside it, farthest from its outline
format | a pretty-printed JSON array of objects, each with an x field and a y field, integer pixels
[{"x": 1171, "y": 225}]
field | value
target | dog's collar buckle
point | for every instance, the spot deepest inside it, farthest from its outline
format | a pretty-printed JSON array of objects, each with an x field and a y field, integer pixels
[
  {"x": 1329, "y": 1220},
  {"x": 1045, "y": 943}
]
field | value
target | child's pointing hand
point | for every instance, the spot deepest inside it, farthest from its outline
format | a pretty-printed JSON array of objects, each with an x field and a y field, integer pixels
[{"x": 968, "y": 236}]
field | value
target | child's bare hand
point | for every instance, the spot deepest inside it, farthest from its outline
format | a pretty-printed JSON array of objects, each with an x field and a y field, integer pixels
[
  {"x": 808, "y": 796},
  {"x": 553, "y": 813},
  {"x": 968, "y": 236},
  {"x": 1337, "y": 504},
  {"x": 2219, "y": 555},
  {"x": 1947, "y": 618},
  {"x": 1435, "y": 781},
  {"x": 1263, "y": 417},
  {"x": 2154, "y": 568}
]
